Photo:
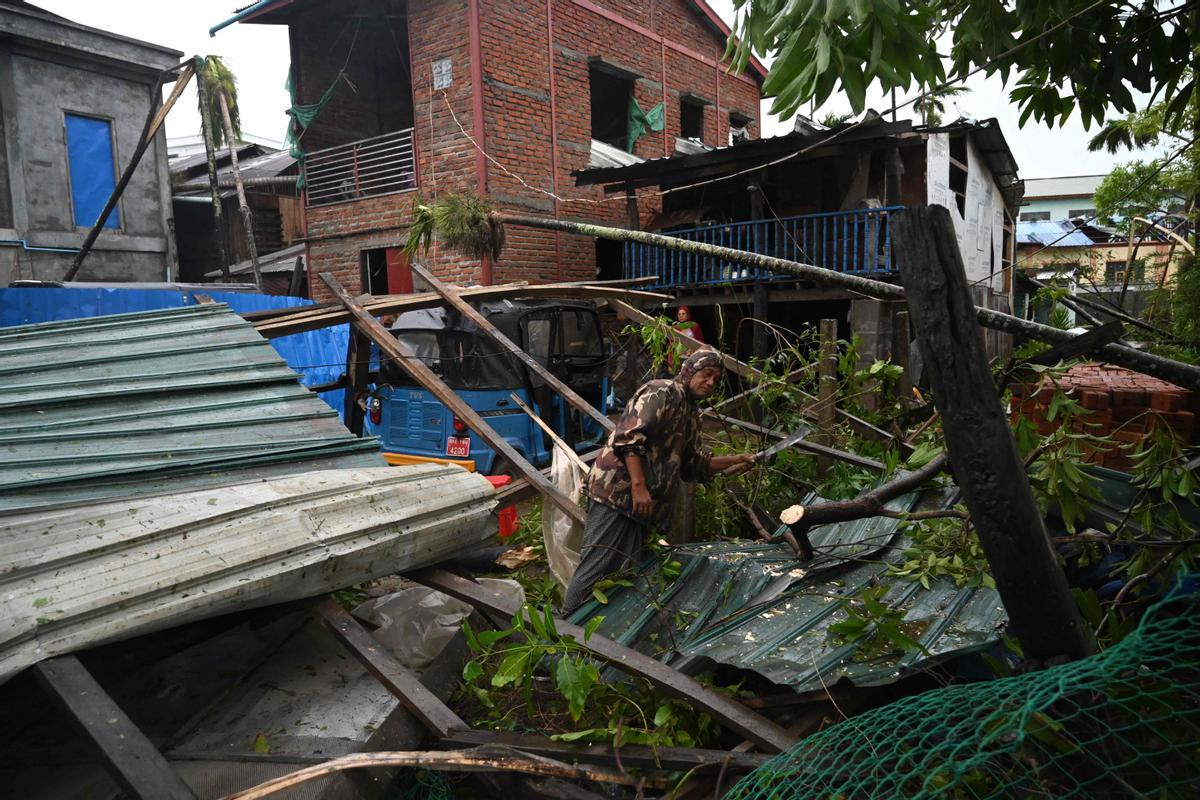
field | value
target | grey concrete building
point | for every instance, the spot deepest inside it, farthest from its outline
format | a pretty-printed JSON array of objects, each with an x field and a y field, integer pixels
[{"x": 73, "y": 101}]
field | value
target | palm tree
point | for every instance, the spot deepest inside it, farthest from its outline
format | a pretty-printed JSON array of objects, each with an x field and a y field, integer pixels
[
  {"x": 930, "y": 106},
  {"x": 214, "y": 79}
]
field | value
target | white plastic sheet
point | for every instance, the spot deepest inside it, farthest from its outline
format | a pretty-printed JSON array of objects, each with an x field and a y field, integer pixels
[
  {"x": 416, "y": 624},
  {"x": 563, "y": 536}
]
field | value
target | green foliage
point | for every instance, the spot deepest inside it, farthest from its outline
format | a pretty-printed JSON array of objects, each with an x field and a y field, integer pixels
[
  {"x": 463, "y": 222},
  {"x": 943, "y": 547},
  {"x": 351, "y": 597},
  {"x": 511, "y": 670},
  {"x": 664, "y": 348},
  {"x": 1092, "y": 62},
  {"x": 877, "y": 628},
  {"x": 1142, "y": 188},
  {"x": 930, "y": 107},
  {"x": 1185, "y": 302},
  {"x": 218, "y": 78}
]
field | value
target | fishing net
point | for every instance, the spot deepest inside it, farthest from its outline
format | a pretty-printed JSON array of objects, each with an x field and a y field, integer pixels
[{"x": 1124, "y": 723}]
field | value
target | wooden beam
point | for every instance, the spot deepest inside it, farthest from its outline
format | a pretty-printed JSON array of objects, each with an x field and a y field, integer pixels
[
  {"x": 358, "y": 368},
  {"x": 1084, "y": 344},
  {"x": 979, "y": 441},
  {"x": 521, "y": 489},
  {"x": 724, "y": 709},
  {"x": 809, "y": 447},
  {"x": 451, "y": 296},
  {"x": 128, "y": 756},
  {"x": 554, "y": 437},
  {"x": 422, "y": 374},
  {"x": 398, "y": 679},
  {"x": 311, "y": 318}
]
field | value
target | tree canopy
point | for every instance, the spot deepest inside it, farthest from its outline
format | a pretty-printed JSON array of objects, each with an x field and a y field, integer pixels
[{"x": 1065, "y": 55}]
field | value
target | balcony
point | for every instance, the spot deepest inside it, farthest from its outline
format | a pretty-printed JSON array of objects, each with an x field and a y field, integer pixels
[
  {"x": 371, "y": 167},
  {"x": 857, "y": 242}
]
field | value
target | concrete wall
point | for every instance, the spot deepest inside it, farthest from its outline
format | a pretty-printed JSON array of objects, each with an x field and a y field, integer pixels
[
  {"x": 48, "y": 69},
  {"x": 1059, "y": 207}
]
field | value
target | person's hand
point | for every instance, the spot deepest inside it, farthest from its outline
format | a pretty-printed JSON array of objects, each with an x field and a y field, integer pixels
[
  {"x": 643, "y": 504},
  {"x": 735, "y": 465}
]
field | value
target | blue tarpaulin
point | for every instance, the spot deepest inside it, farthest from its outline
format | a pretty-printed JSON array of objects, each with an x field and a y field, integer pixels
[
  {"x": 93, "y": 172},
  {"x": 319, "y": 356}
]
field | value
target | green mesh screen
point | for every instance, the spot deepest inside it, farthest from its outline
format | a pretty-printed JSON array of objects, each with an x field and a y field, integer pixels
[{"x": 1124, "y": 723}]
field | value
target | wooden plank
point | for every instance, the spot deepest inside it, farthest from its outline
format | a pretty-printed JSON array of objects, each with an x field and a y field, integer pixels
[
  {"x": 422, "y": 374},
  {"x": 554, "y": 437},
  {"x": 810, "y": 447},
  {"x": 901, "y": 337},
  {"x": 358, "y": 368},
  {"x": 520, "y": 489},
  {"x": 979, "y": 442},
  {"x": 1084, "y": 344},
  {"x": 727, "y": 711},
  {"x": 826, "y": 406},
  {"x": 127, "y": 754},
  {"x": 667, "y": 759},
  {"x": 451, "y": 296},
  {"x": 398, "y": 679},
  {"x": 860, "y": 426},
  {"x": 312, "y": 318}
]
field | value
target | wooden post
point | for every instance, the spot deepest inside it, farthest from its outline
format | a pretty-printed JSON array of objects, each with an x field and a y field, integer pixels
[
  {"x": 151, "y": 130},
  {"x": 247, "y": 216},
  {"x": 826, "y": 406},
  {"x": 404, "y": 358},
  {"x": 450, "y": 295},
  {"x": 982, "y": 452},
  {"x": 210, "y": 154},
  {"x": 762, "y": 339},
  {"x": 128, "y": 756},
  {"x": 557, "y": 440},
  {"x": 296, "y": 285},
  {"x": 900, "y": 357},
  {"x": 358, "y": 370}
]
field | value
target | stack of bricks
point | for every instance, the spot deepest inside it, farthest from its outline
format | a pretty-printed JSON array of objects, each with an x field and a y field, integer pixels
[{"x": 1122, "y": 405}]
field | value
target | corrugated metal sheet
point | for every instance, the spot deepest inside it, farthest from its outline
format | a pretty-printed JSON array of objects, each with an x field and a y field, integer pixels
[
  {"x": 90, "y": 573},
  {"x": 754, "y": 606},
  {"x": 319, "y": 356},
  {"x": 151, "y": 402},
  {"x": 1060, "y": 233}
]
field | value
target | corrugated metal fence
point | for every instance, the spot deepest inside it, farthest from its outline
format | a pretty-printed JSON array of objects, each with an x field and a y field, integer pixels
[{"x": 319, "y": 356}]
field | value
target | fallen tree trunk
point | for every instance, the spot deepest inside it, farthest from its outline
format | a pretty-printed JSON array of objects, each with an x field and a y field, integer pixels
[{"x": 1176, "y": 372}]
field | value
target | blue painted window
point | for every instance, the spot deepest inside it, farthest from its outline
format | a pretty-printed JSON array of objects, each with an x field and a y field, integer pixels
[{"x": 93, "y": 170}]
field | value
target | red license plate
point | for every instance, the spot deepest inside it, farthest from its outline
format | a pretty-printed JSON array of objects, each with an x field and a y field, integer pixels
[{"x": 458, "y": 447}]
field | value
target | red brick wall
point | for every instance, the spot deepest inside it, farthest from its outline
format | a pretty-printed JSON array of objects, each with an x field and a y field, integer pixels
[{"x": 517, "y": 125}]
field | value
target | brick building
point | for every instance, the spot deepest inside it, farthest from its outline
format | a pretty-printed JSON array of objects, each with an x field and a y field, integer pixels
[{"x": 401, "y": 87}]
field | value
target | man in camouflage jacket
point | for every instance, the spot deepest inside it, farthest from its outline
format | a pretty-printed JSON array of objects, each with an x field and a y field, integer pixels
[{"x": 656, "y": 443}]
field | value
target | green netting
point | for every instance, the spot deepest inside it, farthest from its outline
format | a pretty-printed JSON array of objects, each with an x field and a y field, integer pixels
[{"x": 1124, "y": 723}]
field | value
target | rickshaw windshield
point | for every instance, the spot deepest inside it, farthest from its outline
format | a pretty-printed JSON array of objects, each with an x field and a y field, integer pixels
[{"x": 463, "y": 360}]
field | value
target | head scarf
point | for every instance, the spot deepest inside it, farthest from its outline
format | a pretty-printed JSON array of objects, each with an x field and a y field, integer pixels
[{"x": 701, "y": 359}]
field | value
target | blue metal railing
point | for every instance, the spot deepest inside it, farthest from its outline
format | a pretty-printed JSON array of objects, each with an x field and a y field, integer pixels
[{"x": 858, "y": 242}]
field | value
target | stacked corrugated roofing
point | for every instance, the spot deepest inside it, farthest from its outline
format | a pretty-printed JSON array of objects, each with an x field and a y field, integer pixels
[{"x": 151, "y": 402}]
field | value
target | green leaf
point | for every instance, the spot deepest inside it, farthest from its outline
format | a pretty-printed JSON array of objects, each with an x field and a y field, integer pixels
[
  {"x": 600, "y": 596},
  {"x": 472, "y": 670},
  {"x": 512, "y": 668},
  {"x": 41, "y": 602},
  {"x": 663, "y": 715},
  {"x": 575, "y": 736},
  {"x": 489, "y": 638},
  {"x": 575, "y": 678},
  {"x": 591, "y": 626},
  {"x": 261, "y": 745}
]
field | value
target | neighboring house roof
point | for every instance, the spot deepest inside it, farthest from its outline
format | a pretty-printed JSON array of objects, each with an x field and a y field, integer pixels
[
  {"x": 197, "y": 163},
  {"x": 28, "y": 23},
  {"x": 1062, "y": 187},
  {"x": 604, "y": 155},
  {"x": 150, "y": 402},
  {"x": 1059, "y": 233},
  {"x": 267, "y": 165},
  {"x": 280, "y": 261}
]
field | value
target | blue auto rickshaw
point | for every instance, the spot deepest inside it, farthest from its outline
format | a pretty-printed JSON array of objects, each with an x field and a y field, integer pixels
[{"x": 563, "y": 336}]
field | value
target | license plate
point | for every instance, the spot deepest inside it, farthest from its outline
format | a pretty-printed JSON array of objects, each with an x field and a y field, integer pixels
[{"x": 458, "y": 447}]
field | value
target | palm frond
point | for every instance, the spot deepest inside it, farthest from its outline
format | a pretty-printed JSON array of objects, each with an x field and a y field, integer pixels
[
  {"x": 219, "y": 78},
  {"x": 463, "y": 222}
]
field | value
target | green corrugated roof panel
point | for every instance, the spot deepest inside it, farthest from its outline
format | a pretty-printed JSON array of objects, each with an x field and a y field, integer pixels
[
  {"x": 754, "y": 606},
  {"x": 152, "y": 402}
]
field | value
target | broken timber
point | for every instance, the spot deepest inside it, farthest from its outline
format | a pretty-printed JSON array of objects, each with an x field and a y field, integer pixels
[
  {"x": 810, "y": 447},
  {"x": 983, "y": 455},
  {"x": 734, "y": 716},
  {"x": 860, "y": 426},
  {"x": 1177, "y": 372},
  {"x": 451, "y": 296},
  {"x": 310, "y": 318},
  {"x": 128, "y": 756},
  {"x": 422, "y": 374},
  {"x": 554, "y": 437}
]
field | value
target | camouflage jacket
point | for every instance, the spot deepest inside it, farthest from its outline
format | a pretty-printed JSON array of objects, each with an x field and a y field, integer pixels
[{"x": 661, "y": 423}]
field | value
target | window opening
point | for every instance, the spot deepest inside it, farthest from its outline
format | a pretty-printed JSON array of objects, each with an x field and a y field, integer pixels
[
  {"x": 92, "y": 169},
  {"x": 1081, "y": 212},
  {"x": 611, "y": 94},
  {"x": 375, "y": 271},
  {"x": 739, "y": 128},
  {"x": 958, "y": 172},
  {"x": 1035, "y": 216},
  {"x": 691, "y": 119}
]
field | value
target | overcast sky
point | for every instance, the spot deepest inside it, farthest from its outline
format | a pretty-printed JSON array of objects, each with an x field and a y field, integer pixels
[{"x": 258, "y": 55}]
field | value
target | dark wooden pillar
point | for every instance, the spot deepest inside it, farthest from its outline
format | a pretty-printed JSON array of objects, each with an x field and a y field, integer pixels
[
  {"x": 358, "y": 371},
  {"x": 982, "y": 452}
]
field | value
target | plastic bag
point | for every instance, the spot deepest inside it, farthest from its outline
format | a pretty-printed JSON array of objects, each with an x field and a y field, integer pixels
[
  {"x": 416, "y": 624},
  {"x": 563, "y": 536}
]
